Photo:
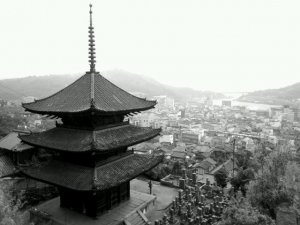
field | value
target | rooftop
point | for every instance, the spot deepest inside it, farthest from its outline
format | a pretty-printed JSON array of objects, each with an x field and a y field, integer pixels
[
  {"x": 85, "y": 178},
  {"x": 12, "y": 142},
  {"x": 89, "y": 140},
  {"x": 126, "y": 210}
]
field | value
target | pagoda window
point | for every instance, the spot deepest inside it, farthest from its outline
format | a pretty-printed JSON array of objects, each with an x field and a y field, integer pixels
[
  {"x": 114, "y": 197},
  {"x": 124, "y": 192},
  {"x": 101, "y": 202}
]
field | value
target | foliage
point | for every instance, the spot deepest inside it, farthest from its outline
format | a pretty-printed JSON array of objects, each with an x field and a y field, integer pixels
[
  {"x": 242, "y": 178},
  {"x": 10, "y": 207},
  {"x": 240, "y": 212},
  {"x": 221, "y": 178},
  {"x": 176, "y": 169},
  {"x": 159, "y": 172},
  {"x": 274, "y": 182},
  {"x": 8, "y": 123},
  {"x": 245, "y": 172},
  {"x": 32, "y": 197}
]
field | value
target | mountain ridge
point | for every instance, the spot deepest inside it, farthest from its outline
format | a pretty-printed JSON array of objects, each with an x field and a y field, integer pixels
[
  {"x": 15, "y": 89},
  {"x": 284, "y": 95}
]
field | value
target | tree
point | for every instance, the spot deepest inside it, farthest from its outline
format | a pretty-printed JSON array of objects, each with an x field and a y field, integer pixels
[
  {"x": 245, "y": 172},
  {"x": 176, "y": 169},
  {"x": 240, "y": 212},
  {"x": 242, "y": 179},
  {"x": 10, "y": 207},
  {"x": 274, "y": 182},
  {"x": 221, "y": 178}
]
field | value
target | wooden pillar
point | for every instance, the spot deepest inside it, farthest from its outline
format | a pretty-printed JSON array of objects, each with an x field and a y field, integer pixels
[
  {"x": 128, "y": 188},
  {"x": 108, "y": 200},
  {"x": 119, "y": 194}
]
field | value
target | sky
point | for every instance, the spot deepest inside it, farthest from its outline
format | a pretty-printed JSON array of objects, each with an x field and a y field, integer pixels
[{"x": 216, "y": 45}]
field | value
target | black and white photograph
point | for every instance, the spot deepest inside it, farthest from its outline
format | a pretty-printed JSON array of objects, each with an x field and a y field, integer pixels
[{"x": 149, "y": 112}]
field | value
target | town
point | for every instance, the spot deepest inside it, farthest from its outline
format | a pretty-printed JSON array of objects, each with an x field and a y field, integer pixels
[
  {"x": 198, "y": 140},
  {"x": 90, "y": 152}
]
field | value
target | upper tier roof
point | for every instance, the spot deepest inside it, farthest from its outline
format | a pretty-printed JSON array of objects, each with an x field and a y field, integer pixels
[
  {"x": 76, "y": 140},
  {"x": 91, "y": 92}
]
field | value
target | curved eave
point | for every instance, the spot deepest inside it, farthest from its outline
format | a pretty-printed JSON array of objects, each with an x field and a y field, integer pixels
[
  {"x": 90, "y": 149},
  {"x": 87, "y": 111},
  {"x": 128, "y": 178}
]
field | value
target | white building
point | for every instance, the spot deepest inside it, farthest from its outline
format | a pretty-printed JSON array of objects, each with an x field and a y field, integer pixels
[{"x": 168, "y": 139}]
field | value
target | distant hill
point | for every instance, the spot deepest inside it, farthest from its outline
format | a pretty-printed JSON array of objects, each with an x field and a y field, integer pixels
[
  {"x": 43, "y": 86},
  {"x": 283, "y": 95}
]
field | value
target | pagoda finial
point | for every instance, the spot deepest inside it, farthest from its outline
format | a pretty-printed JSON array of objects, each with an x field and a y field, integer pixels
[{"x": 92, "y": 54}]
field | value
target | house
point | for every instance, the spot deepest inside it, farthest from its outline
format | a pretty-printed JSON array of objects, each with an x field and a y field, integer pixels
[
  {"x": 180, "y": 155},
  {"x": 208, "y": 140},
  {"x": 144, "y": 148},
  {"x": 218, "y": 140},
  {"x": 166, "y": 140},
  {"x": 229, "y": 166},
  {"x": 180, "y": 144},
  {"x": 202, "y": 152},
  {"x": 190, "y": 138},
  {"x": 17, "y": 151},
  {"x": 247, "y": 143},
  {"x": 205, "y": 166},
  {"x": 272, "y": 139},
  {"x": 14, "y": 153}
]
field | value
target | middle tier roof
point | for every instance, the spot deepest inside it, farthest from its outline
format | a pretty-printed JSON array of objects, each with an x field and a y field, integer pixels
[{"x": 77, "y": 140}]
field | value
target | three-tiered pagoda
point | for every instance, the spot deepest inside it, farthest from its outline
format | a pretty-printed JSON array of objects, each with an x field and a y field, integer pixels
[{"x": 93, "y": 168}]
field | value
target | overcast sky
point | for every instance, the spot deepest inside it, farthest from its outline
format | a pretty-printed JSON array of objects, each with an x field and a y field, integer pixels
[{"x": 207, "y": 45}]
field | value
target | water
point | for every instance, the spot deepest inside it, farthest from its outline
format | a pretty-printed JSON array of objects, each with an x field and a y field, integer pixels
[{"x": 253, "y": 106}]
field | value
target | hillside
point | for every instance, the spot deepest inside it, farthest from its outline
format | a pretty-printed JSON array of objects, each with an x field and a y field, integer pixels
[
  {"x": 43, "y": 86},
  {"x": 283, "y": 95}
]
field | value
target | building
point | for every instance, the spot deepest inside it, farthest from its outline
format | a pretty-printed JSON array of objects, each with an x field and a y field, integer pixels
[
  {"x": 17, "y": 151},
  {"x": 14, "y": 153},
  {"x": 226, "y": 103},
  {"x": 93, "y": 166},
  {"x": 296, "y": 112},
  {"x": 164, "y": 102},
  {"x": 29, "y": 99},
  {"x": 190, "y": 138},
  {"x": 166, "y": 139},
  {"x": 205, "y": 166}
]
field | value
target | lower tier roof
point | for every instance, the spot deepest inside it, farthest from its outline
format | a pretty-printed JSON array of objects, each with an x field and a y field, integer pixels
[
  {"x": 81, "y": 178},
  {"x": 76, "y": 140},
  {"x": 7, "y": 166}
]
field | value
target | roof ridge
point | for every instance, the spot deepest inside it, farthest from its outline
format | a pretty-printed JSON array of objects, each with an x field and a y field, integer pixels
[
  {"x": 92, "y": 90},
  {"x": 124, "y": 90},
  {"x": 42, "y": 99}
]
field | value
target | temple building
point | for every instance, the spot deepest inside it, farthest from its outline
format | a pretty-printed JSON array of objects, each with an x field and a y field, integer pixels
[{"x": 92, "y": 166}]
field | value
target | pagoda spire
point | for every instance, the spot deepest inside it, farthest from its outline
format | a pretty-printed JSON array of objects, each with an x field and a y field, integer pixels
[{"x": 92, "y": 53}]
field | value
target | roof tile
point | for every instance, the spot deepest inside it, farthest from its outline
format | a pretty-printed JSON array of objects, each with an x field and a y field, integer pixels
[
  {"x": 77, "y": 97},
  {"x": 77, "y": 177},
  {"x": 82, "y": 140}
]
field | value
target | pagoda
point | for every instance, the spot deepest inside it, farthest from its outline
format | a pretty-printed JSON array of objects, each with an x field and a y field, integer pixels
[{"x": 92, "y": 166}]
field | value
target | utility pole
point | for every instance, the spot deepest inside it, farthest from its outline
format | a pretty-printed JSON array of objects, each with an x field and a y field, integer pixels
[{"x": 233, "y": 156}]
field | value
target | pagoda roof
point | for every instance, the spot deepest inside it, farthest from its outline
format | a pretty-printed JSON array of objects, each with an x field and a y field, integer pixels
[
  {"x": 12, "y": 142},
  {"x": 90, "y": 93},
  {"x": 82, "y": 178},
  {"x": 7, "y": 167},
  {"x": 76, "y": 140}
]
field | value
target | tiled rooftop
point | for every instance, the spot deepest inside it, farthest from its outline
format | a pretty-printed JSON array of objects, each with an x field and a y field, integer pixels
[
  {"x": 63, "y": 216},
  {"x": 91, "y": 91},
  {"x": 76, "y": 140},
  {"x": 85, "y": 178}
]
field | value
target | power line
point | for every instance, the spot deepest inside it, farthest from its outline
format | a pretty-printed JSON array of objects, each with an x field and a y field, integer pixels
[
  {"x": 12, "y": 95},
  {"x": 23, "y": 95}
]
